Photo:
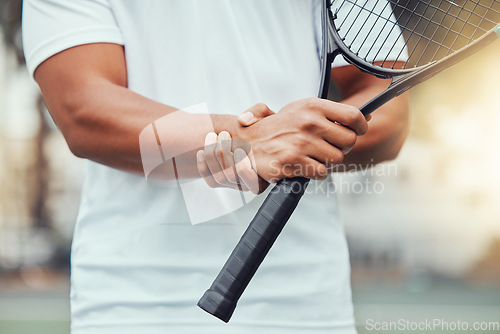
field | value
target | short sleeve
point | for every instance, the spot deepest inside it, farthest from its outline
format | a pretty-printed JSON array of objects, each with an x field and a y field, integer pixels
[{"x": 52, "y": 26}]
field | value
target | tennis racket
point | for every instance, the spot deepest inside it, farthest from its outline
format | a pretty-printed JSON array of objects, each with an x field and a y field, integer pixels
[{"x": 410, "y": 41}]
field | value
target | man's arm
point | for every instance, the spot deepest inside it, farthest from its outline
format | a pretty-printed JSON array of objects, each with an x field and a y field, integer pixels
[
  {"x": 389, "y": 124},
  {"x": 85, "y": 89}
]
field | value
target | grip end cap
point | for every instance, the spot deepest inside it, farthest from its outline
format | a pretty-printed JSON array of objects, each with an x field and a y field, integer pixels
[{"x": 217, "y": 305}]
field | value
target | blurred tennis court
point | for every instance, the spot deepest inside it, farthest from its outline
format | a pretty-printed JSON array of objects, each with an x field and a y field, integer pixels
[
  {"x": 48, "y": 312},
  {"x": 34, "y": 313}
]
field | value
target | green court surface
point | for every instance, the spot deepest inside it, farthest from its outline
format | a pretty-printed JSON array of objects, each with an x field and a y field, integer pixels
[
  {"x": 34, "y": 313},
  {"x": 48, "y": 313},
  {"x": 34, "y": 327},
  {"x": 446, "y": 305}
]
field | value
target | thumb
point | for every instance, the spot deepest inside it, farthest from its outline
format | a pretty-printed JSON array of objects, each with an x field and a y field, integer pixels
[{"x": 254, "y": 114}]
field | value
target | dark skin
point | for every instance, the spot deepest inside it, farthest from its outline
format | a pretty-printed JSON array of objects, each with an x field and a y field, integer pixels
[
  {"x": 382, "y": 141},
  {"x": 388, "y": 126},
  {"x": 85, "y": 89}
]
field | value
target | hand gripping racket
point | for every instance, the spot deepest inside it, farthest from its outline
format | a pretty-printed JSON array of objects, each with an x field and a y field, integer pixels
[{"x": 408, "y": 41}]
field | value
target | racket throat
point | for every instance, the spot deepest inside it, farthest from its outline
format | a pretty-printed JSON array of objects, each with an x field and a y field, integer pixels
[{"x": 399, "y": 85}]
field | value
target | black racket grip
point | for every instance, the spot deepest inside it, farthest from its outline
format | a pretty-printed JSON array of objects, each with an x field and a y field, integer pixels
[{"x": 221, "y": 299}]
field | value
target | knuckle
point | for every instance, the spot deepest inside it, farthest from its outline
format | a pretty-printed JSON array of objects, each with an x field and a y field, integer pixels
[
  {"x": 261, "y": 106},
  {"x": 336, "y": 157},
  {"x": 231, "y": 175},
  {"x": 231, "y": 178},
  {"x": 308, "y": 122},
  {"x": 312, "y": 103},
  {"x": 352, "y": 114},
  {"x": 220, "y": 179},
  {"x": 351, "y": 138},
  {"x": 339, "y": 157},
  {"x": 299, "y": 144},
  {"x": 290, "y": 157}
]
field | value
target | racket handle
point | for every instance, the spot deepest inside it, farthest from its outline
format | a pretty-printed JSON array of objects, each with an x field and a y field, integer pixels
[{"x": 221, "y": 299}]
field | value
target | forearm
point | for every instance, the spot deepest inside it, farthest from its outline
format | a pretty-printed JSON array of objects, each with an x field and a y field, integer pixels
[
  {"x": 85, "y": 89},
  {"x": 103, "y": 121}
]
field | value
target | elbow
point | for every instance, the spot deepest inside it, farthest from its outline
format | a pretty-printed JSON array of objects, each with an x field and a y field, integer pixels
[
  {"x": 386, "y": 134},
  {"x": 72, "y": 119},
  {"x": 392, "y": 141},
  {"x": 392, "y": 152},
  {"x": 393, "y": 144},
  {"x": 78, "y": 136},
  {"x": 386, "y": 145},
  {"x": 76, "y": 147}
]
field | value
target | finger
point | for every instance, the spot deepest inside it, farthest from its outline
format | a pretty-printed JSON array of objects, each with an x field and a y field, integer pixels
[
  {"x": 204, "y": 171},
  {"x": 339, "y": 136},
  {"x": 341, "y": 113},
  {"x": 225, "y": 156},
  {"x": 207, "y": 175},
  {"x": 251, "y": 157},
  {"x": 212, "y": 161},
  {"x": 253, "y": 163},
  {"x": 317, "y": 170},
  {"x": 323, "y": 152},
  {"x": 254, "y": 114},
  {"x": 246, "y": 173},
  {"x": 308, "y": 167},
  {"x": 348, "y": 116},
  {"x": 369, "y": 117}
]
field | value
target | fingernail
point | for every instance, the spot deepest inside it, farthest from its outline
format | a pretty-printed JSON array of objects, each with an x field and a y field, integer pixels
[
  {"x": 211, "y": 138},
  {"x": 199, "y": 156},
  {"x": 239, "y": 155},
  {"x": 246, "y": 117},
  {"x": 224, "y": 135}
]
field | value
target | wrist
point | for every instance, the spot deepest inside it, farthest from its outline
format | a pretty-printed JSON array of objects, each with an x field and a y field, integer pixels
[{"x": 240, "y": 135}]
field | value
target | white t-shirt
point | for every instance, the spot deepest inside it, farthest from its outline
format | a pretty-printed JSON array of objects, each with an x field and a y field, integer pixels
[{"x": 139, "y": 265}]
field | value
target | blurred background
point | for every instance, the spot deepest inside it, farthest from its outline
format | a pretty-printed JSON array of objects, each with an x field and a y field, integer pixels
[{"x": 424, "y": 230}]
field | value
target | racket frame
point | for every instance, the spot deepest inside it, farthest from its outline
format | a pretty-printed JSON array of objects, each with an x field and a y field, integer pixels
[{"x": 402, "y": 79}]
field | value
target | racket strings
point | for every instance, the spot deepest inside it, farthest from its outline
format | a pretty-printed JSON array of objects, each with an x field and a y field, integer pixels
[
  {"x": 467, "y": 24},
  {"x": 433, "y": 35},
  {"x": 412, "y": 33},
  {"x": 370, "y": 12},
  {"x": 386, "y": 20},
  {"x": 447, "y": 13},
  {"x": 463, "y": 26},
  {"x": 362, "y": 26},
  {"x": 385, "y": 41},
  {"x": 431, "y": 38}
]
